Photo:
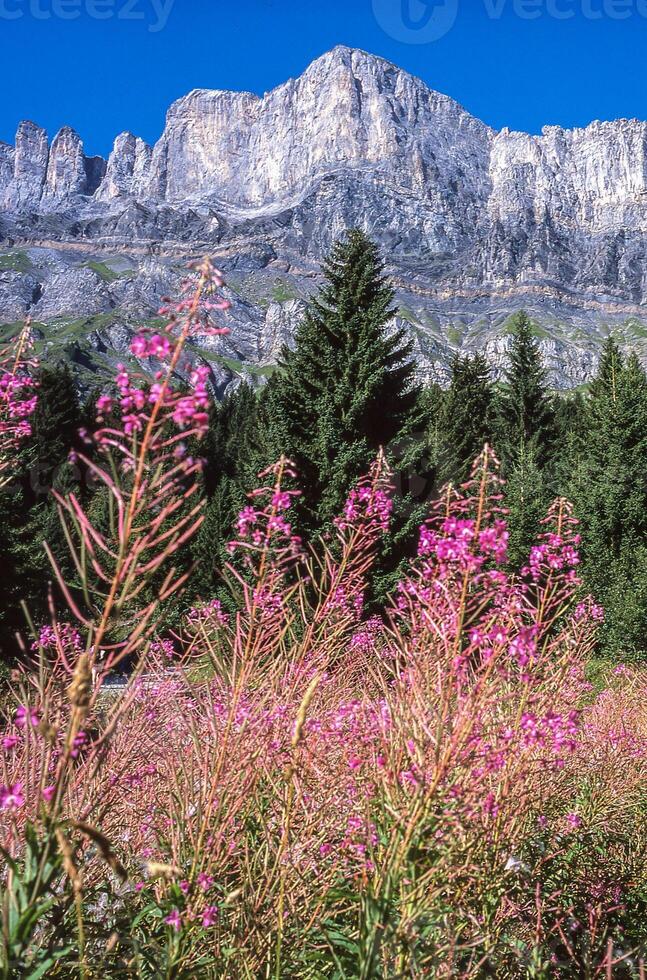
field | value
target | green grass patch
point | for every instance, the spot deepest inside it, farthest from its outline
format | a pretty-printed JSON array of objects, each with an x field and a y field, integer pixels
[
  {"x": 282, "y": 292},
  {"x": 15, "y": 261},
  {"x": 636, "y": 328},
  {"x": 536, "y": 329},
  {"x": 105, "y": 272},
  {"x": 235, "y": 366},
  {"x": 406, "y": 314},
  {"x": 10, "y": 330}
]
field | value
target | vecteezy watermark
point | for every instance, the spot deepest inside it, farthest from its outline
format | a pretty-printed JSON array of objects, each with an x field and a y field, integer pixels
[
  {"x": 416, "y": 21},
  {"x": 154, "y": 14},
  {"x": 424, "y": 21}
]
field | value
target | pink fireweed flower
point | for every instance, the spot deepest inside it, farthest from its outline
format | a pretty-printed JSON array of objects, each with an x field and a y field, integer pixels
[
  {"x": 205, "y": 881},
  {"x": 11, "y": 797},
  {"x": 367, "y": 503},
  {"x": 48, "y": 793},
  {"x": 9, "y": 742},
  {"x": 163, "y": 648},
  {"x": 524, "y": 646},
  {"x": 210, "y": 916},
  {"x": 211, "y": 612},
  {"x": 247, "y": 519},
  {"x": 139, "y": 346},
  {"x": 174, "y": 920},
  {"x": 26, "y": 716},
  {"x": 104, "y": 404},
  {"x": 79, "y": 741},
  {"x": 281, "y": 500}
]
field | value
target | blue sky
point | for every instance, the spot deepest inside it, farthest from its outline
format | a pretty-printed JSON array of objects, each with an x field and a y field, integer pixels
[{"x": 104, "y": 66}]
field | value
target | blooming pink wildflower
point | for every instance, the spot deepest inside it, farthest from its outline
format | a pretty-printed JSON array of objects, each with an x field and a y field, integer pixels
[
  {"x": 26, "y": 716},
  {"x": 210, "y": 916},
  {"x": 11, "y": 797},
  {"x": 174, "y": 920}
]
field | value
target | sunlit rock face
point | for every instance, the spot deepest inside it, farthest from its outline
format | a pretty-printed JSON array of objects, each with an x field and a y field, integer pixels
[{"x": 474, "y": 223}]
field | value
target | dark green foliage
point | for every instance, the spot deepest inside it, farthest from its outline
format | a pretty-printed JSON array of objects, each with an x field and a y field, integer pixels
[
  {"x": 347, "y": 387},
  {"x": 467, "y": 418},
  {"x": 527, "y": 501},
  {"x": 55, "y": 426},
  {"x": 344, "y": 391},
  {"x": 526, "y": 439},
  {"x": 527, "y": 415},
  {"x": 609, "y": 487},
  {"x": 28, "y": 513},
  {"x": 233, "y": 457}
]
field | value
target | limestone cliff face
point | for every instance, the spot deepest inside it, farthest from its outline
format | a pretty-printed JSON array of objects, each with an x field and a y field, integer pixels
[
  {"x": 127, "y": 169},
  {"x": 473, "y": 221},
  {"x": 354, "y": 140}
]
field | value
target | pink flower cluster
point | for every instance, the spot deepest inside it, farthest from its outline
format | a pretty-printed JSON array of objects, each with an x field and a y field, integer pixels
[
  {"x": 17, "y": 396},
  {"x": 12, "y": 797},
  {"x": 457, "y": 542},
  {"x": 211, "y": 612},
  {"x": 157, "y": 345},
  {"x": 558, "y": 732},
  {"x": 262, "y": 524},
  {"x": 163, "y": 648},
  {"x": 134, "y": 401},
  {"x": 193, "y": 409},
  {"x": 556, "y": 553},
  {"x": 63, "y": 635},
  {"x": 367, "y": 503}
]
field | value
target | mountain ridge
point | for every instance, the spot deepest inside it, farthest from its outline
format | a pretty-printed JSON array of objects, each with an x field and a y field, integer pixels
[{"x": 473, "y": 222}]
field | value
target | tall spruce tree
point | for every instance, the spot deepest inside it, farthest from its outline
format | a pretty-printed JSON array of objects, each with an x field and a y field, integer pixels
[
  {"x": 467, "y": 417},
  {"x": 610, "y": 493},
  {"x": 347, "y": 386},
  {"x": 527, "y": 414},
  {"x": 55, "y": 429},
  {"x": 526, "y": 439}
]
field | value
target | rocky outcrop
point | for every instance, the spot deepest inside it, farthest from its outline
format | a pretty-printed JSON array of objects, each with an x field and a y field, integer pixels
[
  {"x": 24, "y": 188},
  {"x": 127, "y": 169},
  {"x": 66, "y": 174}
]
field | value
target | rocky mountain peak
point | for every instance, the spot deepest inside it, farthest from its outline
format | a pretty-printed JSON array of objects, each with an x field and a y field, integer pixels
[{"x": 474, "y": 223}]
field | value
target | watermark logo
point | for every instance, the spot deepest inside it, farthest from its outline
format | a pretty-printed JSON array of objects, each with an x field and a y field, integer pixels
[
  {"x": 153, "y": 14},
  {"x": 425, "y": 21},
  {"x": 416, "y": 21}
]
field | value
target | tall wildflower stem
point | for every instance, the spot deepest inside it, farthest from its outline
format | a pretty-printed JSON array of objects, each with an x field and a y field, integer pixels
[{"x": 143, "y": 457}]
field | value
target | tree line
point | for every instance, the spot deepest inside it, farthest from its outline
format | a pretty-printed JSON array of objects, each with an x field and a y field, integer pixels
[{"x": 348, "y": 387}]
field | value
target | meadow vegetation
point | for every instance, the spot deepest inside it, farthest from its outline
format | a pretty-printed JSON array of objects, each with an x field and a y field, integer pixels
[{"x": 314, "y": 776}]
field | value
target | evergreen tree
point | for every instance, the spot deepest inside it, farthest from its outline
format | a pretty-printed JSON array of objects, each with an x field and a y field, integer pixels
[
  {"x": 467, "y": 418},
  {"x": 230, "y": 448},
  {"x": 527, "y": 503},
  {"x": 527, "y": 415},
  {"x": 610, "y": 493},
  {"x": 55, "y": 427},
  {"x": 571, "y": 430},
  {"x": 347, "y": 386},
  {"x": 232, "y": 458},
  {"x": 526, "y": 439},
  {"x": 209, "y": 547}
]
